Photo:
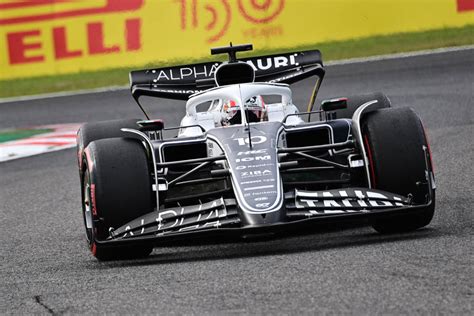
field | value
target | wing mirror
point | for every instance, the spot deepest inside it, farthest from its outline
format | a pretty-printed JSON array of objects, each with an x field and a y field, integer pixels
[
  {"x": 151, "y": 125},
  {"x": 334, "y": 104}
]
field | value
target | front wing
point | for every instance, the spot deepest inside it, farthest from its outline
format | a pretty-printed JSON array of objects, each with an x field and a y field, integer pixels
[{"x": 221, "y": 216}]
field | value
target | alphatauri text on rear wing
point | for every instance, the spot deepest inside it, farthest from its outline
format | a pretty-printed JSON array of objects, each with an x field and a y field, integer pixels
[{"x": 179, "y": 82}]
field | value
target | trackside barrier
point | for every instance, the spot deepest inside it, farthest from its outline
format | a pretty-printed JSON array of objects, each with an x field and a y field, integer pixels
[{"x": 46, "y": 37}]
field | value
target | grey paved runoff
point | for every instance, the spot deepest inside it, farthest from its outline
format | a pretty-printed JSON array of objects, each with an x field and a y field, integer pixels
[{"x": 46, "y": 268}]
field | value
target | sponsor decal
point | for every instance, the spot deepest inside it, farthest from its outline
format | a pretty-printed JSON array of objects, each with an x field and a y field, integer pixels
[
  {"x": 20, "y": 143},
  {"x": 32, "y": 45},
  {"x": 259, "y": 164},
  {"x": 273, "y": 62},
  {"x": 180, "y": 73},
  {"x": 256, "y": 173},
  {"x": 93, "y": 198},
  {"x": 255, "y": 158},
  {"x": 252, "y": 152},
  {"x": 259, "y": 187},
  {"x": 178, "y": 219},
  {"x": 177, "y": 91},
  {"x": 346, "y": 200},
  {"x": 255, "y": 166},
  {"x": 251, "y": 182},
  {"x": 202, "y": 71}
]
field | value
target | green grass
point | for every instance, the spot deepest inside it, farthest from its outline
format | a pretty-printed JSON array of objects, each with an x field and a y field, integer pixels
[
  {"x": 14, "y": 134},
  {"x": 362, "y": 47}
]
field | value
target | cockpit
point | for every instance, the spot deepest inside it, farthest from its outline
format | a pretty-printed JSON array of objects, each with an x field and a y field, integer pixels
[{"x": 238, "y": 104}]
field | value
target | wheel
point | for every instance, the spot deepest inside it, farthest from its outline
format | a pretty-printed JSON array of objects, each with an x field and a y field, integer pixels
[
  {"x": 116, "y": 188},
  {"x": 394, "y": 139},
  {"x": 353, "y": 102},
  {"x": 90, "y": 132}
]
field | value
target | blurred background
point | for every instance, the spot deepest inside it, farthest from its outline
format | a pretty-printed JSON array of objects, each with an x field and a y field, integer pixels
[{"x": 57, "y": 45}]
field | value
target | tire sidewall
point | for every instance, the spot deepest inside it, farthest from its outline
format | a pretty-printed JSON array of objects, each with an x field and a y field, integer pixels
[{"x": 102, "y": 218}]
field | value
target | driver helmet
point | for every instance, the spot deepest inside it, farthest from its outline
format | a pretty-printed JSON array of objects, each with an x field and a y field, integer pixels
[{"x": 254, "y": 108}]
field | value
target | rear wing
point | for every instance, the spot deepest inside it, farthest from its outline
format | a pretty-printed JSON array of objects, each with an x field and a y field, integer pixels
[{"x": 179, "y": 82}]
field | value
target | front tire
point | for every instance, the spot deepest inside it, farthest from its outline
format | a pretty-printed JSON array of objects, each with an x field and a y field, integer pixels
[
  {"x": 116, "y": 188},
  {"x": 90, "y": 132},
  {"x": 394, "y": 140}
]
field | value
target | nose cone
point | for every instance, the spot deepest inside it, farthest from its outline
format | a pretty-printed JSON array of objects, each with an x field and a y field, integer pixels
[
  {"x": 252, "y": 219},
  {"x": 253, "y": 162}
]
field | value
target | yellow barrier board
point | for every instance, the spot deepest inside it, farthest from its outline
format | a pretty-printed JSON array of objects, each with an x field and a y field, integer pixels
[{"x": 46, "y": 37}]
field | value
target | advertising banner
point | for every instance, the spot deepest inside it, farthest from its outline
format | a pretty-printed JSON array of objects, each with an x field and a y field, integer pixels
[{"x": 47, "y": 37}]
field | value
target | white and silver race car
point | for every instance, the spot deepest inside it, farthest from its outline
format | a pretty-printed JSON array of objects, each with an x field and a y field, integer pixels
[{"x": 245, "y": 162}]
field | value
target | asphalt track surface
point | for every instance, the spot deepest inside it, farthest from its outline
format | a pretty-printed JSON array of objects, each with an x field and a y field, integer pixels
[{"x": 46, "y": 267}]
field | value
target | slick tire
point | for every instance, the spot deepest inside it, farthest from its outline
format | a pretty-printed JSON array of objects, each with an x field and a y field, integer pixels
[
  {"x": 116, "y": 188},
  {"x": 394, "y": 139},
  {"x": 90, "y": 132},
  {"x": 353, "y": 103}
]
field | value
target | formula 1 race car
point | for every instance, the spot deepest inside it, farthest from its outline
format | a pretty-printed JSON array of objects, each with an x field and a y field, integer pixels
[{"x": 245, "y": 162}]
